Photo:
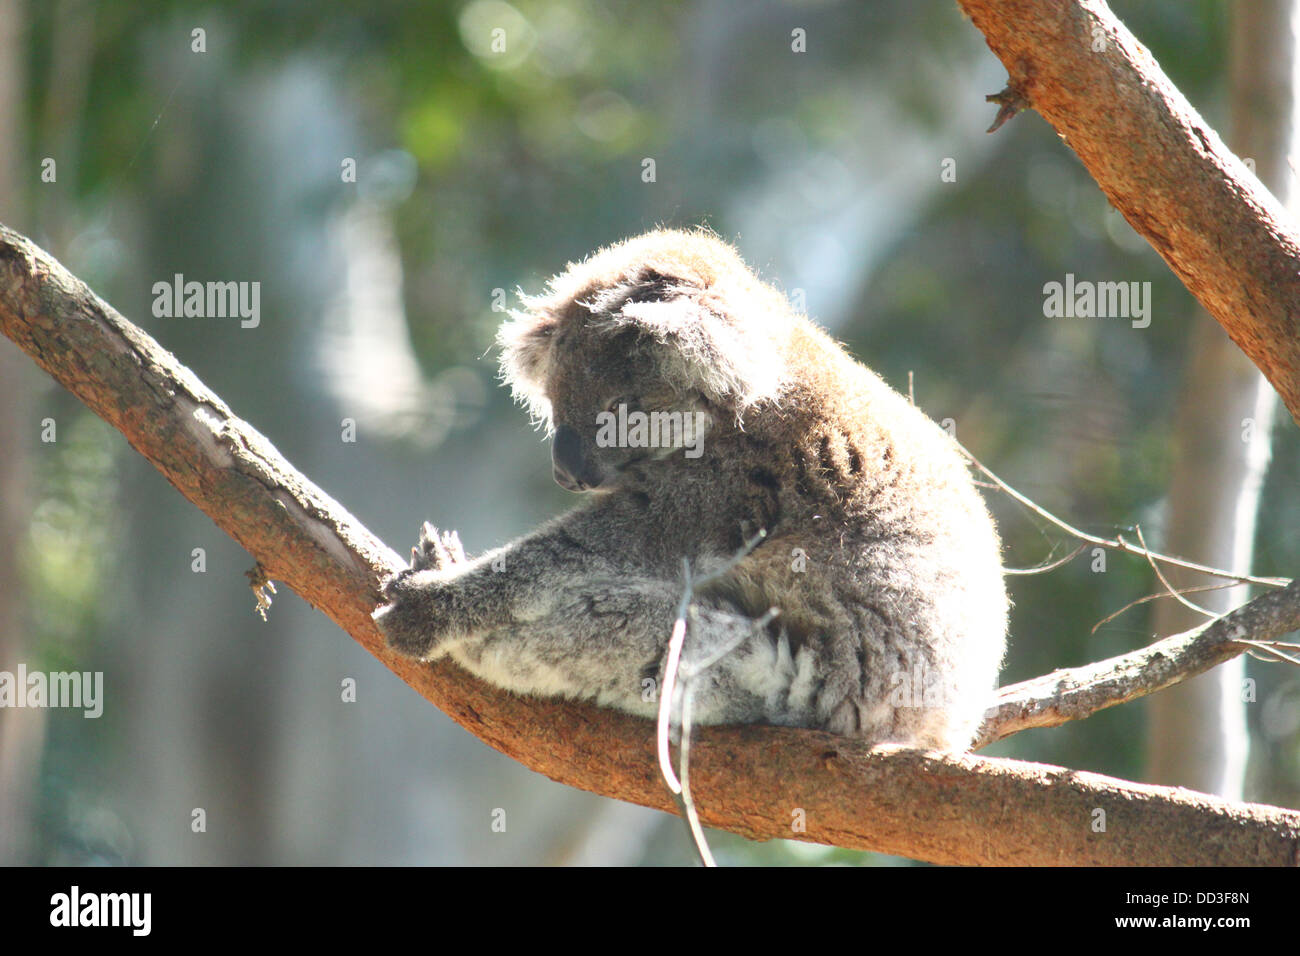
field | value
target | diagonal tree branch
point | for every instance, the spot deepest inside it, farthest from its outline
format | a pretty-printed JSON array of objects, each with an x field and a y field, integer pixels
[
  {"x": 1222, "y": 233},
  {"x": 1077, "y": 692},
  {"x": 761, "y": 782}
]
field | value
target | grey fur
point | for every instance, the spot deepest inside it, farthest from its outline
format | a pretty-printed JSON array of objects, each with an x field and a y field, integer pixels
[{"x": 879, "y": 552}]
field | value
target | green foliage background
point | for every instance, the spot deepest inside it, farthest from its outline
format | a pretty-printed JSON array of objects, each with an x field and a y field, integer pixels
[{"x": 491, "y": 171}]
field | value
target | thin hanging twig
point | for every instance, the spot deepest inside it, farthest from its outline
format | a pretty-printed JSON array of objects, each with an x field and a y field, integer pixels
[
  {"x": 1173, "y": 592},
  {"x": 1117, "y": 543},
  {"x": 672, "y": 663},
  {"x": 1153, "y": 597}
]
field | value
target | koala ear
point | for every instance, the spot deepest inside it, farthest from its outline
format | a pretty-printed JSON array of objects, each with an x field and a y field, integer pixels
[
  {"x": 525, "y": 341},
  {"x": 699, "y": 349}
]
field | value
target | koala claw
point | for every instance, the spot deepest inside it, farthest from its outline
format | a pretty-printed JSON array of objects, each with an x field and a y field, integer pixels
[
  {"x": 415, "y": 601},
  {"x": 437, "y": 550}
]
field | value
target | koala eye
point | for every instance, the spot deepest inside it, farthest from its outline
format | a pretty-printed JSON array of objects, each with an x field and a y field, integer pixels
[{"x": 630, "y": 401}]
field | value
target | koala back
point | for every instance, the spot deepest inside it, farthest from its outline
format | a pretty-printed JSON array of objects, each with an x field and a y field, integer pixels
[{"x": 879, "y": 552}]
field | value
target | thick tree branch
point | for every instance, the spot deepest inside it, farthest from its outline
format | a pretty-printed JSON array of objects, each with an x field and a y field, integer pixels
[
  {"x": 1223, "y": 234},
  {"x": 756, "y": 781}
]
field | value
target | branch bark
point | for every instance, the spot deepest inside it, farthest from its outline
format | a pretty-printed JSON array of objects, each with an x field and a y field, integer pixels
[
  {"x": 760, "y": 782},
  {"x": 1223, "y": 234},
  {"x": 1077, "y": 692}
]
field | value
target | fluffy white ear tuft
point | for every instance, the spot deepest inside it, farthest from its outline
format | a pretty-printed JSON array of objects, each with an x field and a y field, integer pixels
[{"x": 525, "y": 342}]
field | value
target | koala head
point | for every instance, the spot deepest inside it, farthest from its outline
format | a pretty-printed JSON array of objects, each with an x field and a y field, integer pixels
[{"x": 666, "y": 331}]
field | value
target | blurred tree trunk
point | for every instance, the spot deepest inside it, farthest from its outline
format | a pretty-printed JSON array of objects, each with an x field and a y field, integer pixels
[
  {"x": 22, "y": 731},
  {"x": 1197, "y": 731}
]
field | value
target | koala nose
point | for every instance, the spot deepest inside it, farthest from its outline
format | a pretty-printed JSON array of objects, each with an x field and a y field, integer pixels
[{"x": 567, "y": 463}]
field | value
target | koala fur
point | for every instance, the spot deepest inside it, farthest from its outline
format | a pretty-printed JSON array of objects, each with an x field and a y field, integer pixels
[{"x": 878, "y": 553}]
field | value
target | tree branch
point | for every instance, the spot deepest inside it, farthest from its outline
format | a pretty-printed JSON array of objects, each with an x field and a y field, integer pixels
[
  {"x": 1223, "y": 234},
  {"x": 1078, "y": 692},
  {"x": 946, "y": 808}
]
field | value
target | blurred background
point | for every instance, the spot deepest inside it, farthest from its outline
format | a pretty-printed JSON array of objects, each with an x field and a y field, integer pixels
[{"x": 492, "y": 142}]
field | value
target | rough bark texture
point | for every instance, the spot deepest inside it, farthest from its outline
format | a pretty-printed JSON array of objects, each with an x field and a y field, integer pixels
[
  {"x": 756, "y": 781},
  {"x": 1162, "y": 167}
]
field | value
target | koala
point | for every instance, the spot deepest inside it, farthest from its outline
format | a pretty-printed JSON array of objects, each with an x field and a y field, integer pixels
[{"x": 696, "y": 412}]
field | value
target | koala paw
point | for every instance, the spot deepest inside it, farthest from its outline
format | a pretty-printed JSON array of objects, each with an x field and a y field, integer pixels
[
  {"x": 437, "y": 550},
  {"x": 418, "y": 609},
  {"x": 410, "y": 620}
]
